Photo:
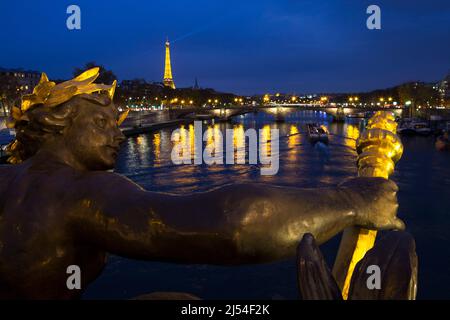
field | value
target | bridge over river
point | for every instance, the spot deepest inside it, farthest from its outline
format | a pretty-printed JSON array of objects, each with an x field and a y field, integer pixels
[
  {"x": 143, "y": 121},
  {"x": 278, "y": 110},
  {"x": 138, "y": 122}
]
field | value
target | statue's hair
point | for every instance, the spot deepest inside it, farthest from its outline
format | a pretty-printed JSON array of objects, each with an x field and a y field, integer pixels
[
  {"x": 41, "y": 123},
  {"x": 50, "y": 108}
]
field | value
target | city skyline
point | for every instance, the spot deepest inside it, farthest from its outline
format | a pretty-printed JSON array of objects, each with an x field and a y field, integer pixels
[{"x": 289, "y": 47}]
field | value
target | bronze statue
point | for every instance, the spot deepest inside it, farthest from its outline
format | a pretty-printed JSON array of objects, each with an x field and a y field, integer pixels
[
  {"x": 395, "y": 255},
  {"x": 60, "y": 207}
]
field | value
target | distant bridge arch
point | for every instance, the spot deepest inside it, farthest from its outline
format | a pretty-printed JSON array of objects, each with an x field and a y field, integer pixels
[{"x": 278, "y": 110}]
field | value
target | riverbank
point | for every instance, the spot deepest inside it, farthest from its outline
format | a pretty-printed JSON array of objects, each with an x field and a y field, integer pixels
[{"x": 144, "y": 128}]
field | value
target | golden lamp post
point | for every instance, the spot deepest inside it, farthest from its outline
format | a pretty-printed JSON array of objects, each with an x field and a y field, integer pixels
[{"x": 379, "y": 148}]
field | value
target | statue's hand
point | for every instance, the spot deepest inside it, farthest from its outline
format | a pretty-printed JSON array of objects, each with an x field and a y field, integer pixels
[{"x": 375, "y": 202}]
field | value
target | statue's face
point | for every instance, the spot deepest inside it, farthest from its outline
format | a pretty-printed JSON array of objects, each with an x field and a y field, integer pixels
[{"x": 94, "y": 136}]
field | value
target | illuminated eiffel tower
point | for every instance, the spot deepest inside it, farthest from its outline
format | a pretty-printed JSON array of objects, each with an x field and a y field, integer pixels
[{"x": 168, "y": 81}]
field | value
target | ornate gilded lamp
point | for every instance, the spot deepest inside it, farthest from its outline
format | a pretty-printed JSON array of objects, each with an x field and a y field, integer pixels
[{"x": 379, "y": 148}]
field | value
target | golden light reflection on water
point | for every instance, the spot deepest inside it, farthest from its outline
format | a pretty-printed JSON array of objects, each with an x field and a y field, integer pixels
[
  {"x": 183, "y": 139},
  {"x": 268, "y": 149},
  {"x": 239, "y": 144},
  {"x": 352, "y": 132},
  {"x": 301, "y": 163},
  {"x": 192, "y": 139},
  {"x": 293, "y": 130},
  {"x": 214, "y": 141},
  {"x": 185, "y": 173},
  {"x": 293, "y": 141},
  {"x": 209, "y": 135},
  {"x": 142, "y": 145},
  {"x": 157, "y": 148},
  {"x": 265, "y": 143}
]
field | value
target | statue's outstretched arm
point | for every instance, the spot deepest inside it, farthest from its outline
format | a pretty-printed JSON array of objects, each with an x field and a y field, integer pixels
[{"x": 242, "y": 223}]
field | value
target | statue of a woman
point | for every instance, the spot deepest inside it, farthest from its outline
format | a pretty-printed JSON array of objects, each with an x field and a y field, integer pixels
[{"x": 60, "y": 207}]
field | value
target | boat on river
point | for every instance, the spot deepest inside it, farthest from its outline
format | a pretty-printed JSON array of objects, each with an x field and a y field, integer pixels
[
  {"x": 317, "y": 132},
  {"x": 357, "y": 115},
  {"x": 414, "y": 127}
]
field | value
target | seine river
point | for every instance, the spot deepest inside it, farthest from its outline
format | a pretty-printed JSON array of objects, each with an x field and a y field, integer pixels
[{"x": 423, "y": 176}]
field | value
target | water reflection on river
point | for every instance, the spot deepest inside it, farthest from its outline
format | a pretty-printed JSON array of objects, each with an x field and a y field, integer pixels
[
  {"x": 147, "y": 158},
  {"x": 423, "y": 176}
]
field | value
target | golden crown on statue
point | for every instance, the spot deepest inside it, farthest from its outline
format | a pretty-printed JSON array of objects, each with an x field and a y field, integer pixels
[{"x": 49, "y": 94}]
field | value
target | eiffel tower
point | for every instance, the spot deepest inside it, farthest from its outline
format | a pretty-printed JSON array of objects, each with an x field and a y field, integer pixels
[{"x": 168, "y": 81}]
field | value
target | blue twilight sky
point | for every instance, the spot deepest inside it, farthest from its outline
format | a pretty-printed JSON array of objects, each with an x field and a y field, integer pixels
[{"x": 237, "y": 46}]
